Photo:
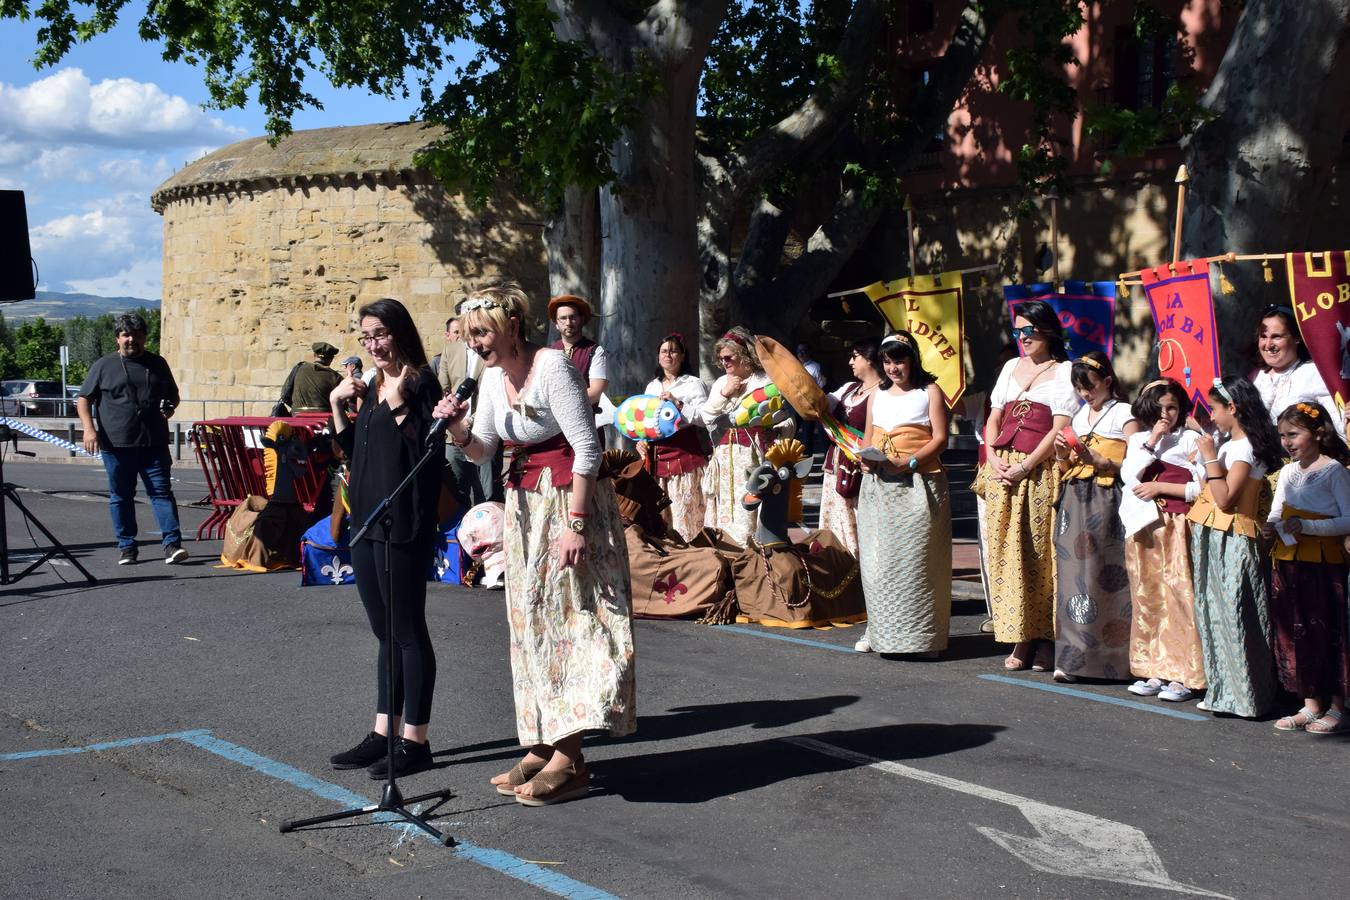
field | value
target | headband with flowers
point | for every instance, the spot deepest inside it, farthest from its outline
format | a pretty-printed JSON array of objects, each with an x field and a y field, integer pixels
[
  {"x": 1309, "y": 410},
  {"x": 474, "y": 303}
]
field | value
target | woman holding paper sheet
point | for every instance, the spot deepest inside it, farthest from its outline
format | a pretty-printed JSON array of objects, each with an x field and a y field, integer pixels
[
  {"x": 1033, "y": 401},
  {"x": 1092, "y": 591},
  {"x": 904, "y": 510}
]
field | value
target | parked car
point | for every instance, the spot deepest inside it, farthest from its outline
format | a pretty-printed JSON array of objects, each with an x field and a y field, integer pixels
[{"x": 34, "y": 398}]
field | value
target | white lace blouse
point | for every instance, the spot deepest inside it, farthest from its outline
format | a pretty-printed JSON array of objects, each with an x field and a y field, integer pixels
[
  {"x": 1300, "y": 383},
  {"x": 716, "y": 410},
  {"x": 1110, "y": 424},
  {"x": 552, "y": 402},
  {"x": 689, "y": 390},
  {"x": 1055, "y": 391},
  {"x": 1323, "y": 489}
]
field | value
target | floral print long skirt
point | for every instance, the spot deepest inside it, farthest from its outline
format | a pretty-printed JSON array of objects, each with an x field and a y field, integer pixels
[{"x": 571, "y": 628}]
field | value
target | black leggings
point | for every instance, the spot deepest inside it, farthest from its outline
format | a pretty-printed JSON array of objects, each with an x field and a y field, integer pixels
[{"x": 415, "y": 664}]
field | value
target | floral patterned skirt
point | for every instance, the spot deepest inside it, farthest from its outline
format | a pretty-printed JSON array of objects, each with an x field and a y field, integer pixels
[
  {"x": 1019, "y": 524},
  {"x": 571, "y": 628},
  {"x": 838, "y": 514},
  {"x": 724, "y": 479},
  {"x": 688, "y": 505}
]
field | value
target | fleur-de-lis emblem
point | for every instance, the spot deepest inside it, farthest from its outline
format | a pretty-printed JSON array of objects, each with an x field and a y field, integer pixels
[
  {"x": 670, "y": 587},
  {"x": 336, "y": 571}
]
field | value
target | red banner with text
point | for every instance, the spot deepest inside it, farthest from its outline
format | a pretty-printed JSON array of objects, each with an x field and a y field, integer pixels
[
  {"x": 1183, "y": 316},
  {"x": 1319, "y": 291}
]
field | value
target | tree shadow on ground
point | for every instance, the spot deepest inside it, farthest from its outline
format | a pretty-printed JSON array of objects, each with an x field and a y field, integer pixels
[{"x": 700, "y": 774}]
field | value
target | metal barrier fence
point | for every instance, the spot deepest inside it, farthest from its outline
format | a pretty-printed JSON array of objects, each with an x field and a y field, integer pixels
[{"x": 230, "y": 451}]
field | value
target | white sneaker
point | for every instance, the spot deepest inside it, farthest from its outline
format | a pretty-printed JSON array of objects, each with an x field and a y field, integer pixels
[
  {"x": 862, "y": 646},
  {"x": 1176, "y": 692},
  {"x": 1202, "y": 706},
  {"x": 1148, "y": 688}
]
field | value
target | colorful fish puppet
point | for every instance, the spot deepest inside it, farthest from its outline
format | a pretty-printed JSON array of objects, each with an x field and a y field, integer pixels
[
  {"x": 759, "y": 408},
  {"x": 646, "y": 417}
]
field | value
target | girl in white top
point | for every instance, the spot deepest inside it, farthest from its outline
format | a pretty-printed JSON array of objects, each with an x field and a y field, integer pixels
[
  {"x": 1231, "y": 600},
  {"x": 904, "y": 510},
  {"x": 1310, "y": 515},
  {"x": 678, "y": 461},
  {"x": 1033, "y": 400},
  {"x": 1286, "y": 375},
  {"x": 1092, "y": 598},
  {"x": 1159, "y": 469}
]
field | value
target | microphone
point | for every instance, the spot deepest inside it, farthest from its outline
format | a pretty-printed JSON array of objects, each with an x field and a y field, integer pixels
[{"x": 462, "y": 394}]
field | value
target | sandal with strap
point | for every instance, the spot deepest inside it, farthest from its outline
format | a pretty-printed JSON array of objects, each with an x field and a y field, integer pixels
[
  {"x": 1330, "y": 722},
  {"x": 1298, "y": 721},
  {"x": 519, "y": 774},
  {"x": 557, "y": 786}
]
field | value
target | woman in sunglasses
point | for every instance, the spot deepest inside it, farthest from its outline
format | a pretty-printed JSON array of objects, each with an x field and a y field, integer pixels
[
  {"x": 1032, "y": 402},
  {"x": 1286, "y": 374},
  {"x": 736, "y": 450}
]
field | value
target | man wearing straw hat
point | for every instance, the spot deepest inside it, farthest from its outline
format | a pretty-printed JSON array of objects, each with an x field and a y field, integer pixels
[{"x": 569, "y": 314}]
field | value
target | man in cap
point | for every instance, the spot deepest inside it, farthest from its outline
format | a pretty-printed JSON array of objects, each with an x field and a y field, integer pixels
[
  {"x": 310, "y": 382},
  {"x": 132, "y": 393},
  {"x": 569, "y": 314}
]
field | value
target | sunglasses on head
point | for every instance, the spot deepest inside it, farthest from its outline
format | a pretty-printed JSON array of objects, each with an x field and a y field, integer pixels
[{"x": 1025, "y": 331}]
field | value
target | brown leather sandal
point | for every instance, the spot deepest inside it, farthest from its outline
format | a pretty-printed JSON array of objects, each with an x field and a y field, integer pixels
[
  {"x": 558, "y": 786},
  {"x": 519, "y": 774}
]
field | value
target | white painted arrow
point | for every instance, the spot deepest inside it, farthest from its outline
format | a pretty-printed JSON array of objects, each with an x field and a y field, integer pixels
[{"x": 1066, "y": 842}]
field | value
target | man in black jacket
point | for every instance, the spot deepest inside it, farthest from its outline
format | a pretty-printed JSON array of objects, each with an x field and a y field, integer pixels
[{"x": 132, "y": 393}]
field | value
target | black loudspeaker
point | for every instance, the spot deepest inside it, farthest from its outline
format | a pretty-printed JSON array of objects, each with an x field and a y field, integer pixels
[{"x": 16, "y": 256}]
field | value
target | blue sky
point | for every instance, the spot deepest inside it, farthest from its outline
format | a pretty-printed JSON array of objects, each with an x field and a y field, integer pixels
[{"x": 89, "y": 139}]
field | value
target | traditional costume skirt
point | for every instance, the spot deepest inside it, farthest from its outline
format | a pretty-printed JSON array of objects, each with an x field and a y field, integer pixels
[
  {"x": 1019, "y": 526},
  {"x": 1308, "y": 612},
  {"x": 1164, "y": 643},
  {"x": 1233, "y": 621},
  {"x": 905, "y": 557},
  {"x": 724, "y": 480},
  {"x": 571, "y": 628},
  {"x": 838, "y": 514},
  {"x": 678, "y": 463},
  {"x": 1092, "y": 589}
]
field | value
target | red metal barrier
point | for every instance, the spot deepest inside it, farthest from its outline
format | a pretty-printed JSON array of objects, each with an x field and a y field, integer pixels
[{"x": 230, "y": 451}]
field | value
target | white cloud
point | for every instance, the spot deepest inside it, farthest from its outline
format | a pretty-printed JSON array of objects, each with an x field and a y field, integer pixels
[
  {"x": 116, "y": 234},
  {"x": 68, "y": 108},
  {"x": 134, "y": 172},
  {"x": 143, "y": 278}
]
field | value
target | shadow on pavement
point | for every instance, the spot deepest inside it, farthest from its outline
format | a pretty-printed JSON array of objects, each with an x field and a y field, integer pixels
[{"x": 706, "y": 773}]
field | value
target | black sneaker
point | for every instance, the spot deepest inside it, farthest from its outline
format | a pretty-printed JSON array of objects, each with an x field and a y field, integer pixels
[
  {"x": 410, "y": 758},
  {"x": 363, "y": 754},
  {"x": 128, "y": 557},
  {"x": 174, "y": 554}
]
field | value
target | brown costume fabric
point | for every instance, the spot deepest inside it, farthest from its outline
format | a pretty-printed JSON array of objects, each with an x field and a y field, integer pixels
[
  {"x": 264, "y": 536},
  {"x": 813, "y": 584},
  {"x": 672, "y": 579}
]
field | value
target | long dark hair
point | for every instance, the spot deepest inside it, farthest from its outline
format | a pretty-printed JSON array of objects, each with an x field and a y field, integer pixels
[
  {"x": 1285, "y": 315},
  {"x": 1254, "y": 418},
  {"x": 1095, "y": 364},
  {"x": 900, "y": 347},
  {"x": 1147, "y": 407},
  {"x": 678, "y": 340},
  {"x": 870, "y": 350},
  {"x": 1312, "y": 417},
  {"x": 394, "y": 317},
  {"x": 1045, "y": 320}
]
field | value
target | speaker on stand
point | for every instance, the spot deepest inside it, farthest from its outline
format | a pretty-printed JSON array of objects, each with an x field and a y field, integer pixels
[{"x": 17, "y": 281}]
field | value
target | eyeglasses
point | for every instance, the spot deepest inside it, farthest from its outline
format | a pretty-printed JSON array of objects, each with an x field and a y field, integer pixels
[
  {"x": 1025, "y": 331},
  {"x": 726, "y": 360},
  {"x": 375, "y": 337},
  {"x": 675, "y": 352}
]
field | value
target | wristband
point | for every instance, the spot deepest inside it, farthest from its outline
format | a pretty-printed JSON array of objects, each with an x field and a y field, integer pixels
[
  {"x": 913, "y": 463},
  {"x": 1208, "y": 462},
  {"x": 1150, "y": 448},
  {"x": 468, "y": 439},
  {"x": 578, "y": 515}
]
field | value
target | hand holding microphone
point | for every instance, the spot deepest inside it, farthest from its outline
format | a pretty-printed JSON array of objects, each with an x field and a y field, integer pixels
[{"x": 451, "y": 409}]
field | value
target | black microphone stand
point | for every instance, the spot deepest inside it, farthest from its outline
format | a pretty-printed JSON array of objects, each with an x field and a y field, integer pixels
[
  {"x": 9, "y": 494},
  {"x": 391, "y": 798}
]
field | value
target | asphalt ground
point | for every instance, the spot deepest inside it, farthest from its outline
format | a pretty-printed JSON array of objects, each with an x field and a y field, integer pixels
[{"x": 192, "y": 709}]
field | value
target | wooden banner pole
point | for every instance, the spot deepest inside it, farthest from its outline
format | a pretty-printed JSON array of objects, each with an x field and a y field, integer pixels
[
  {"x": 1053, "y": 197},
  {"x": 909, "y": 230},
  {"x": 1182, "y": 178}
]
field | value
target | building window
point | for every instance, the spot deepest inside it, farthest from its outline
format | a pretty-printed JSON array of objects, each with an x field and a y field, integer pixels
[{"x": 1145, "y": 68}]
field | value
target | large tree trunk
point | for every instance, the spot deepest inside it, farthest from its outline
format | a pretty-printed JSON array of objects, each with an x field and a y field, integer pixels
[
  {"x": 1257, "y": 169},
  {"x": 572, "y": 240}
]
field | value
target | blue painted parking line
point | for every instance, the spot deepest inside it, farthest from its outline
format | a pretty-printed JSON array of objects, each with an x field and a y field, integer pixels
[
  {"x": 823, "y": 645},
  {"x": 498, "y": 860},
  {"x": 1098, "y": 698}
]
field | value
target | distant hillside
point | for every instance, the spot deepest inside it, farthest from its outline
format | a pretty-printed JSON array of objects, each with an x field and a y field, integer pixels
[{"x": 55, "y": 306}]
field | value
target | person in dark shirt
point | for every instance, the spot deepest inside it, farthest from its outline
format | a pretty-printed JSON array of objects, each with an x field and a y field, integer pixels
[
  {"x": 310, "y": 382},
  {"x": 132, "y": 394},
  {"x": 383, "y": 444}
]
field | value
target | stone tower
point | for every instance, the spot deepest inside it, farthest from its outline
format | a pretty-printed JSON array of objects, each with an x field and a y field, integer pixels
[{"x": 268, "y": 249}]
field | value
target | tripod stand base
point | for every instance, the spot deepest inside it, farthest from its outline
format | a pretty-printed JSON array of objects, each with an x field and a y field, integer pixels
[
  {"x": 9, "y": 494},
  {"x": 391, "y": 801}
]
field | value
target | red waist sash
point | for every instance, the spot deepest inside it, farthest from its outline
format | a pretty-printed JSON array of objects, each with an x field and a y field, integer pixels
[
  {"x": 1024, "y": 425},
  {"x": 746, "y": 437},
  {"x": 1168, "y": 473},
  {"x": 527, "y": 462},
  {"x": 678, "y": 454}
]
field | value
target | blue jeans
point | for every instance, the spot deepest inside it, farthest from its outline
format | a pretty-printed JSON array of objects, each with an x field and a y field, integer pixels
[{"x": 152, "y": 464}]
